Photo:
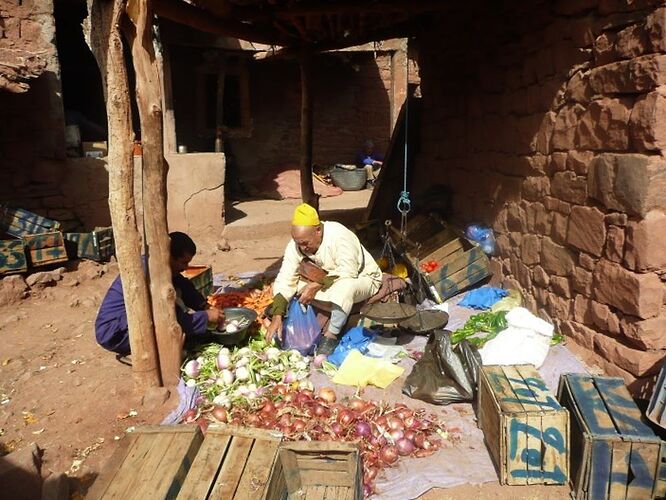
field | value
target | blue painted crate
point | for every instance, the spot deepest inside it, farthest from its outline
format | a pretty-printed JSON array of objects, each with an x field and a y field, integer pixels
[
  {"x": 525, "y": 428},
  {"x": 19, "y": 222},
  {"x": 614, "y": 453},
  {"x": 12, "y": 257}
]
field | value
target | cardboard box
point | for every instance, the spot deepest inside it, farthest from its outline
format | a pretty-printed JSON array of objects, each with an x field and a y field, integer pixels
[
  {"x": 614, "y": 453},
  {"x": 525, "y": 428}
]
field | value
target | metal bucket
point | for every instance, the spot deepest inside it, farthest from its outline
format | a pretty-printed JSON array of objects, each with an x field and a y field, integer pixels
[{"x": 349, "y": 180}]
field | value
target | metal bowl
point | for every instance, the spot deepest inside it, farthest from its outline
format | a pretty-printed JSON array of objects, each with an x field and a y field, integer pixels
[{"x": 239, "y": 336}]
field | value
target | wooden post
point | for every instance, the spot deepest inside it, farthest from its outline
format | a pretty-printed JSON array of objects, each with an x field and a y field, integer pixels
[
  {"x": 307, "y": 188},
  {"x": 107, "y": 46},
  {"x": 167, "y": 330}
]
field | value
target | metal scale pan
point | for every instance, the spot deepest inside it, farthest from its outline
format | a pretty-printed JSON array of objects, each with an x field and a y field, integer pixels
[
  {"x": 388, "y": 312},
  {"x": 425, "y": 321}
]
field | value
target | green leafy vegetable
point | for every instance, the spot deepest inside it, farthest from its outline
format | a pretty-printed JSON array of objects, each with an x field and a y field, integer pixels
[{"x": 490, "y": 323}]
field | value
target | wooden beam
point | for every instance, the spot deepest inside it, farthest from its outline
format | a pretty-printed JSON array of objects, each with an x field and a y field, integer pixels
[
  {"x": 169, "y": 335},
  {"x": 356, "y": 7},
  {"x": 184, "y": 13},
  {"x": 107, "y": 46},
  {"x": 307, "y": 189}
]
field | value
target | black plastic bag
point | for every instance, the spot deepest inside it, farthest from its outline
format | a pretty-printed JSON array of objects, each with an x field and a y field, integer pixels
[{"x": 444, "y": 374}]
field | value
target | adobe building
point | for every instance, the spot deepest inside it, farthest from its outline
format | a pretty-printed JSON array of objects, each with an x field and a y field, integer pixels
[{"x": 545, "y": 119}]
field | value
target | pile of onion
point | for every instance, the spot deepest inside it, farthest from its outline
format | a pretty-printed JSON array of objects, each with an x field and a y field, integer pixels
[{"x": 384, "y": 432}]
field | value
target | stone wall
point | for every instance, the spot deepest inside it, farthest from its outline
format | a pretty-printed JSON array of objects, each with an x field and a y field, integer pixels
[{"x": 553, "y": 132}]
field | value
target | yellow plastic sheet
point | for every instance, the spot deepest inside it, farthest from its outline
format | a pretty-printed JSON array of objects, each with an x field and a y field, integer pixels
[{"x": 359, "y": 370}]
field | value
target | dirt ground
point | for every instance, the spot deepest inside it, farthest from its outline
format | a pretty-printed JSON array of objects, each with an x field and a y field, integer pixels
[{"x": 60, "y": 390}]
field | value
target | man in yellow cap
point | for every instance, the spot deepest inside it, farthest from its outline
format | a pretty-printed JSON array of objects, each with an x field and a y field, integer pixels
[{"x": 352, "y": 275}]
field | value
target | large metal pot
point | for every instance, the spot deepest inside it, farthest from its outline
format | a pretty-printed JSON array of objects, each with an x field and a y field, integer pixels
[{"x": 235, "y": 338}]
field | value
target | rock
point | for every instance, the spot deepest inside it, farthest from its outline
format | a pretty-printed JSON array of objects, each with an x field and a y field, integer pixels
[
  {"x": 582, "y": 281},
  {"x": 155, "y": 397},
  {"x": 538, "y": 218},
  {"x": 580, "y": 334},
  {"x": 579, "y": 161},
  {"x": 558, "y": 162},
  {"x": 561, "y": 286},
  {"x": 632, "y": 41},
  {"x": 582, "y": 310},
  {"x": 587, "y": 261},
  {"x": 70, "y": 281},
  {"x": 555, "y": 258},
  {"x": 631, "y": 183},
  {"x": 530, "y": 249},
  {"x": 646, "y": 122},
  {"x": 578, "y": 88},
  {"x": 541, "y": 277},
  {"x": 645, "y": 333},
  {"x": 636, "y": 76},
  {"x": 616, "y": 219},
  {"x": 20, "y": 474},
  {"x": 535, "y": 188},
  {"x": 637, "y": 362},
  {"x": 587, "y": 230},
  {"x": 559, "y": 228},
  {"x": 522, "y": 273},
  {"x": 558, "y": 307},
  {"x": 516, "y": 219},
  {"x": 605, "y": 125},
  {"x": 646, "y": 243},
  {"x": 635, "y": 294},
  {"x": 43, "y": 279},
  {"x": 603, "y": 48},
  {"x": 604, "y": 318},
  {"x": 615, "y": 244},
  {"x": 564, "y": 131},
  {"x": 223, "y": 245},
  {"x": 90, "y": 270},
  {"x": 12, "y": 290},
  {"x": 656, "y": 29},
  {"x": 569, "y": 187}
]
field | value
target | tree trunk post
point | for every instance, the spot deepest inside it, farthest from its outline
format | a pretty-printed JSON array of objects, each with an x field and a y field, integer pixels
[
  {"x": 307, "y": 188},
  {"x": 107, "y": 46},
  {"x": 167, "y": 330}
]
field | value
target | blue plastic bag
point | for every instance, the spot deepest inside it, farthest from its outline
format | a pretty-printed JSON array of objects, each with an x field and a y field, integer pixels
[
  {"x": 483, "y": 235},
  {"x": 300, "y": 329},
  {"x": 356, "y": 338}
]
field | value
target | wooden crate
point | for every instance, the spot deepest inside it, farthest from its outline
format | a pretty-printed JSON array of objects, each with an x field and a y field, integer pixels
[
  {"x": 151, "y": 462},
  {"x": 232, "y": 464},
  {"x": 19, "y": 222},
  {"x": 461, "y": 262},
  {"x": 201, "y": 277},
  {"x": 317, "y": 470},
  {"x": 12, "y": 257},
  {"x": 614, "y": 454},
  {"x": 97, "y": 245},
  {"x": 45, "y": 248},
  {"x": 525, "y": 428}
]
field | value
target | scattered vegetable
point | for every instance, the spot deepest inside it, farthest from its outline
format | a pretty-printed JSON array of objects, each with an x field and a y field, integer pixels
[{"x": 429, "y": 266}]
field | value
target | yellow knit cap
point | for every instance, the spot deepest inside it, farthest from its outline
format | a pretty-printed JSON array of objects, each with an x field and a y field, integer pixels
[{"x": 305, "y": 215}]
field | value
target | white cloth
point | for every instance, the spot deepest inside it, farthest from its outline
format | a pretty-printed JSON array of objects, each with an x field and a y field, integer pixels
[
  {"x": 340, "y": 254},
  {"x": 526, "y": 340}
]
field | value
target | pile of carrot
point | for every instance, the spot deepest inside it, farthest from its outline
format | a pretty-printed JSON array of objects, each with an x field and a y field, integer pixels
[{"x": 257, "y": 300}]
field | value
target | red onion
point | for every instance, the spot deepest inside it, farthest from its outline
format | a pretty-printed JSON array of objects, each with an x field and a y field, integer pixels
[
  {"x": 388, "y": 454},
  {"x": 327, "y": 394},
  {"x": 189, "y": 416},
  {"x": 395, "y": 423},
  {"x": 396, "y": 434},
  {"x": 268, "y": 407},
  {"x": 362, "y": 429},
  {"x": 410, "y": 434},
  {"x": 284, "y": 420},
  {"x": 279, "y": 405},
  {"x": 337, "y": 429},
  {"x": 381, "y": 421},
  {"x": 346, "y": 417},
  {"x": 405, "y": 447},
  {"x": 357, "y": 405},
  {"x": 220, "y": 414},
  {"x": 370, "y": 474},
  {"x": 404, "y": 413},
  {"x": 319, "y": 411},
  {"x": 299, "y": 425},
  {"x": 301, "y": 398},
  {"x": 367, "y": 490},
  {"x": 289, "y": 397},
  {"x": 419, "y": 440},
  {"x": 377, "y": 441}
]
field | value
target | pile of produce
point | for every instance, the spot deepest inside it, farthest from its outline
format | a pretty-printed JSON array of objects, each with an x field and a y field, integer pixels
[
  {"x": 429, "y": 266},
  {"x": 257, "y": 299},
  {"x": 227, "y": 377},
  {"x": 384, "y": 432},
  {"x": 489, "y": 323}
]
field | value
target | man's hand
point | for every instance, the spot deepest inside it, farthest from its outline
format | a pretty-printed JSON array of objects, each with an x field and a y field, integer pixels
[
  {"x": 308, "y": 293},
  {"x": 274, "y": 327},
  {"x": 215, "y": 316}
]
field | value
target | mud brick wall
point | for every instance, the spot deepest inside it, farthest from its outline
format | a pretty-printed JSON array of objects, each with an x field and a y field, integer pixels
[{"x": 548, "y": 122}]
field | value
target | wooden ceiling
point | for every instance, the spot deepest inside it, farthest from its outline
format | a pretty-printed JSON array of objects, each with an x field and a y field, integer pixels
[{"x": 316, "y": 24}]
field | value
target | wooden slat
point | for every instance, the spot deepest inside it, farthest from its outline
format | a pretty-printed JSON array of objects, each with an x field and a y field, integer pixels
[
  {"x": 447, "y": 252},
  {"x": 292, "y": 474},
  {"x": 516, "y": 433},
  {"x": 316, "y": 492},
  {"x": 542, "y": 396},
  {"x": 200, "y": 479},
  {"x": 277, "y": 484},
  {"x": 644, "y": 465},
  {"x": 534, "y": 460},
  {"x": 622, "y": 408},
  {"x": 489, "y": 418},
  {"x": 153, "y": 462},
  {"x": 322, "y": 463},
  {"x": 464, "y": 278},
  {"x": 128, "y": 474},
  {"x": 619, "y": 477},
  {"x": 230, "y": 473},
  {"x": 600, "y": 468},
  {"x": 112, "y": 468},
  {"x": 323, "y": 477},
  {"x": 502, "y": 391},
  {"x": 556, "y": 448},
  {"x": 459, "y": 261},
  {"x": 520, "y": 388},
  {"x": 588, "y": 401},
  {"x": 257, "y": 471}
]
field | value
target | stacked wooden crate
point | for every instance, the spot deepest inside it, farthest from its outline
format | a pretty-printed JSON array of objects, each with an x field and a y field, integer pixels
[
  {"x": 201, "y": 277},
  {"x": 525, "y": 428},
  {"x": 97, "y": 245},
  {"x": 614, "y": 454}
]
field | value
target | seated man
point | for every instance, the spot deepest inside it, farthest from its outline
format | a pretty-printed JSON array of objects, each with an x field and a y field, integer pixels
[
  {"x": 353, "y": 275},
  {"x": 111, "y": 328},
  {"x": 371, "y": 160}
]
